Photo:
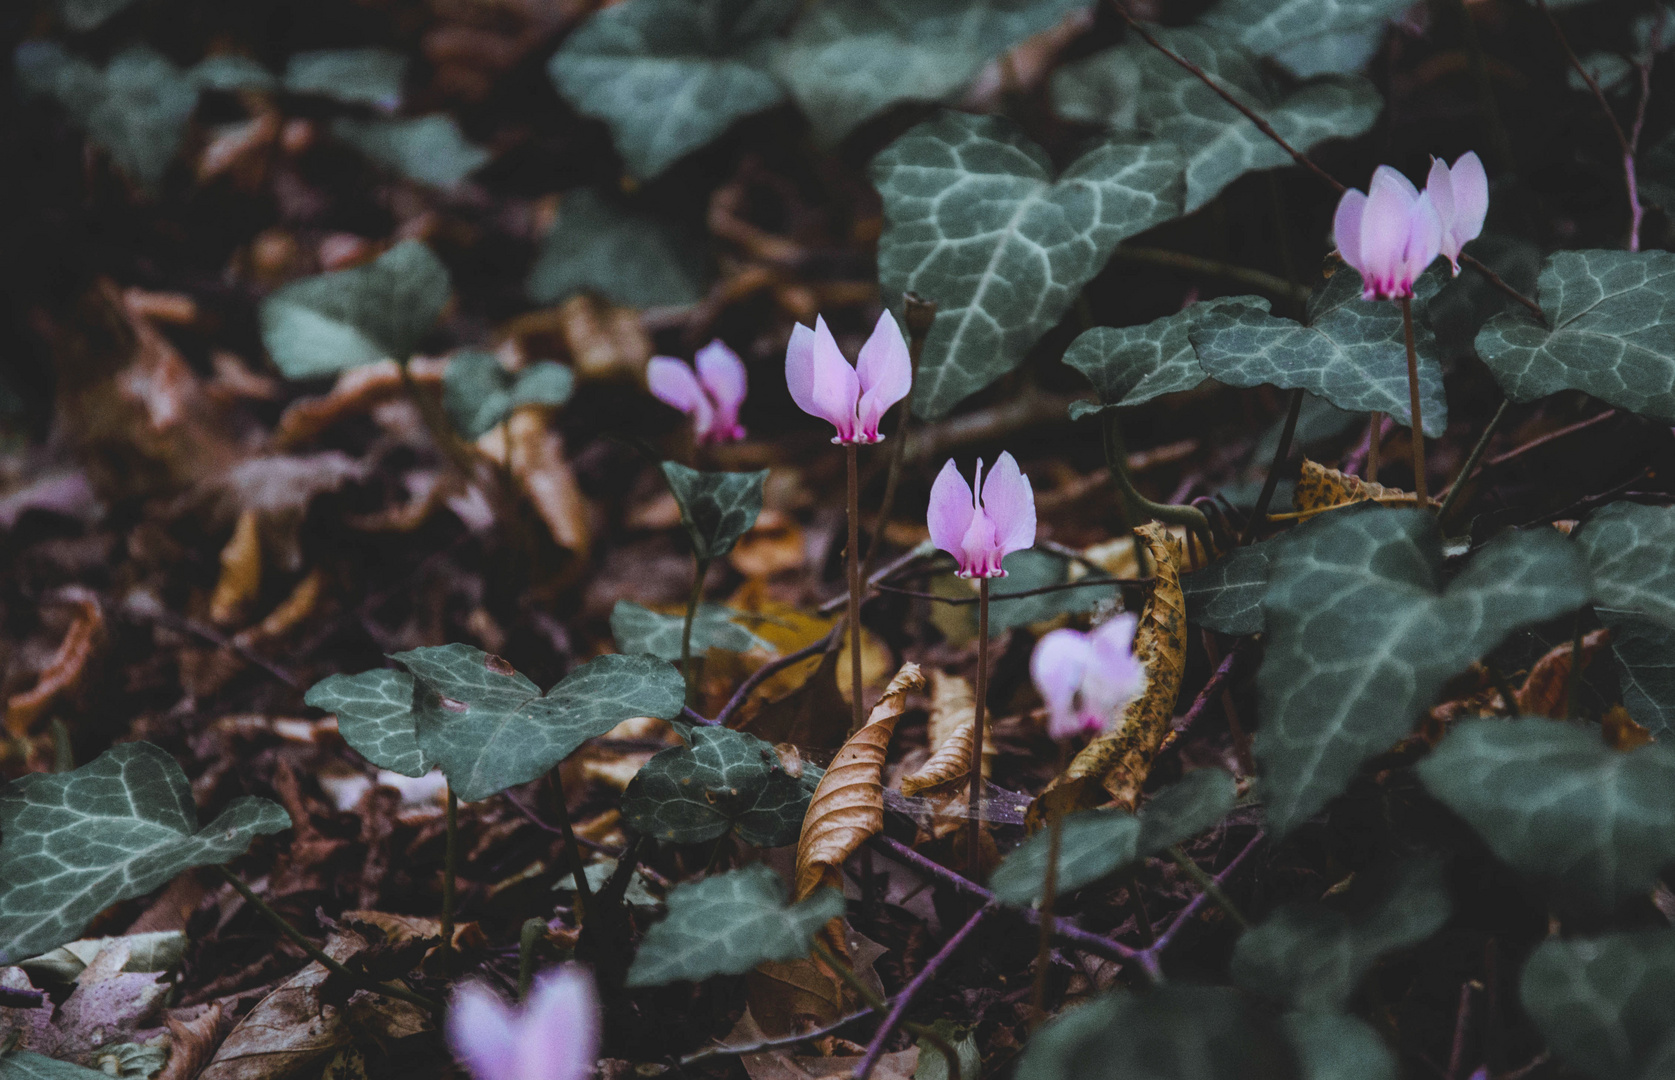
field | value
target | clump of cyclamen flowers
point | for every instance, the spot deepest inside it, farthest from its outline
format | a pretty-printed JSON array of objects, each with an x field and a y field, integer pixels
[{"x": 1394, "y": 231}]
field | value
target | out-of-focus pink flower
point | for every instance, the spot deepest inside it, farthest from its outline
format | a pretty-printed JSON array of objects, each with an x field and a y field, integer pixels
[
  {"x": 851, "y": 399},
  {"x": 711, "y": 396},
  {"x": 1087, "y": 680},
  {"x": 1390, "y": 235},
  {"x": 554, "y": 1036},
  {"x": 980, "y": 533},
  {"x": 1461, "y": 198}
]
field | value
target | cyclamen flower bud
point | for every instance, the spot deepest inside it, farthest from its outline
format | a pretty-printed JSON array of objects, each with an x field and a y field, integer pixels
[
  {"x": 1389, "y": 235},
  {"x": 554, "y": 1036},
  {"x": 711, "y": 397},
  {"x": 1461, "y": 197},
  {"x": 979, "y": 533},
  {"x": 1087, "y": 680},
  {"x": 851, "y": 399}
]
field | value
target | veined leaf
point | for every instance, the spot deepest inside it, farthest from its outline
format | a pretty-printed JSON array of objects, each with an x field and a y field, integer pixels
[
  {"x": 1603, "y": 1003},
  {"x": 1132, "y": 365},
  {"x": 724, "y": 780},
  {"x": 625, "y": 256},
  {"x": 478, "y": 393},
  {"x": 1135, "y": 87},
  {"x": 429, "y": 149},
  {"x": 1311, "y": 37},
  {"x": 641, "y": 630},
  {"x": 1646, "y": 652},
  {"x": 118, "y": 827},
  {"x": 975, "y": 221},
  {"x": 332, "y": 322},
  {"x": 716, "y": 507},
  {"x": 1555, "y": 803},
  {"x": 1362, "y": 635},
  {"x": 1226, "y": 596},
  {"x": 353, "y": 76},
  {"x": 375, "y": 716},
  {"x": 727, "y": 924},
  {"x": 490, "y": 728},
  {"x": 1631, "y": 551},
  {"x": 1611, "y": 332},
  {"x": 1192, "y": 805}
]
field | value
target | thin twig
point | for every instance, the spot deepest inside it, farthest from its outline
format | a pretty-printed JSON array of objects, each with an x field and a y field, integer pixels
[
  {"x": 1179, "y": 260},
  {"x": 1462, "y": 1024},
  {"x": 1498, "y": 282},
  {"x": 1552, "y": 436},
  {"x": 1209, "y": 885},
  {"x": 904, "y": 999},
  {"x": 769, "y": 670},
  {"x": 1185, "y": 915},
  {"x": 870, "y": 996},
  {"x": 890, "y": 570},
  {"x": 1214, "y": 683}
]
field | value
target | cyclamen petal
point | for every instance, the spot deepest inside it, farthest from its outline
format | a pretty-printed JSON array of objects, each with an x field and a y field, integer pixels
[
  {"x": 674, "y": 384},
  {"x": 1009, "y": 502},
  {"x": 483, "y": 1031},
  {"x": 1057, "y": 666},
  {"x": 1116, "y": 677},
  {"x": 1460, "y": 195},
  {"x": 980, "y": 532},
  {"x": 723, "y": 377},
  {"x": 886, "y": 375},
  {"x": 951, "y": 509},
  {"x": 852, "y": 399},
  {"x": 555, "y": 1036},
  {"x": 1389, "y": 235},
  {"x": 1088, "y": 680}
]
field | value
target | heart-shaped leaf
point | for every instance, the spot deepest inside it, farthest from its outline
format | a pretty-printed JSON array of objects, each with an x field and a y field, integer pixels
[
  {"x": 641, "y": 630},
  {"x": 136, "y": 108},
  {"x": 490, "y": 728},
  {"x": 118, "y": 827},
  {"x": 1645, "y": 652},
  {"x": 1171, "y": 1032},
  {"x": 1132, "y": 365},
  {"x": 1353, "y": 353},
  {"x": 724, "y": 780},
  {"x": 727, "y": 924},
  {"x": 668, "y": 76},
  {"x": 1311, "y": 37},
  {"x": 975, "y": 221},
  {"x": 332, "y": 322},
  {"x": 1631, "y": 551},
  {"x": 716, "y": 507},
  {"x": 1603, "y": 1003},
  {"x": 478, "y": 393},
  {"x": 1226, "y": 596},
  {"x": 846, "y": 61},
  {"x": 375, "y": 716},
  {"x": 1362, "y": 635},
  {"x": 1310, "y": 958},
  {"x": 1610, "y": 332},
  {"x": 352, "y": 76},
  {"x": 429, "y": 149},
  {"x": 1332, "y": 1047},
  {"x": 1135, "y": 87},
  {"x": 626, "y": 256},
  {"x": 1554, "y": 802}
]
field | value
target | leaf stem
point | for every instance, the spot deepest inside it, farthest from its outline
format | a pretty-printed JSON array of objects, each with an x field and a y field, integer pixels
[
  {"x": 1210, "y": 886},
  {"x": 1281, "y": 454},
  {"x": 1116, "y": 458},
  {"x": 1458, "y": 487},
  {"x": 528, "y": 936},
  {"x": 1049, "y": 896},
  {"x": 561, "y": 804},
  {"x": 441, "y": 430},
  {"x": 1419, "y": 482},
  {"x": 450, "y": 870},
  {"x": 319, "y": 956},
  {"x": 919, "y": 314},
  {"x": 974, "y": 766},
  {"x": 851, "y": 452},
  {"x": 702, "y": 570}
]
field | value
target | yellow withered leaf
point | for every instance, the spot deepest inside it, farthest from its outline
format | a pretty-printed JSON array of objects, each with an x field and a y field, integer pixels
[
  {"x": 848, "y": 805},
  {"x": 1320, "y": 488},
  {"x": 1121, "y": 759},
  {"x": 241, "y": 572},
  {"x": 953, "y": 718}
]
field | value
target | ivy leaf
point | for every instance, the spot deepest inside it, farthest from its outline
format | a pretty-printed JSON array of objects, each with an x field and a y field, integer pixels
[
  {"x": 669, "y": 76},
  {"x": 1631, "y": 551},
  {"x": 490, "y": 728},
  {"x": 478, "y": 393},
  {"x": 1362, "y": 635},
  {"x": 118, "y": 827},
  {"x": 25, "y": 1065},
  {"x": 1611, "y": 332},
  {"x": 627, "y": 257},
  {"x": 375, "y": 716},
  {"x": 1645, "y": 652},
  {"x": 229, "y": 73},
  {"x": 1133, "y": 86},
  {"x": 1555, "y": 803},
  {"x": 975, "y": 221},
  {"x": 1603, "y": 1003},
  {"x": 352, "y": 76},
  {"x": 1171, "y": 1032},
  {"x": 1311, "y": 958},
  {"x": 429, "y": 149},
  {"x": 1192, "y": 805},
  {"x": 1353, "y": 353},
  {"x": 136, "y": 108},
  {"x": 727, "y": 924},
  {"x": 333, "y": 322},
  {"x": 1132, "y": 365},
  {"x": 641, "y": 630},
  {"x": 724, "y": 780},
  {"x": 1331, "y": 1047},
  {"x": 846, "y": 61},
  {"x": 1311, "y": 37},
  {"x": 1226, "y": 596},
  {"x": 716, "y": 507}
]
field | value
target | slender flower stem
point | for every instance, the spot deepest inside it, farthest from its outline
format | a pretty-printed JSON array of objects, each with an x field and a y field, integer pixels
[
  {"x": 692, "y": 602},
  {"x": 778, "y": 1041},
  {"x": 974, "y": 822},
  {"x": 1281, "y": 453},
  {"x": 1458, "y": 487},
  {"x": 450, "y": 871},
  {"x": 441, "y": 429},
  {"x": 528, "y": 936},
  {"x": 904, "y": 999},
  {"x": 319, "y": 956},
  {"x": 1049, "y": 896},
  {"x": 561, "y": 805},
  {"x": 919, "y": 315},
  {"x": 1375, "y": 435},
  {"x": 1420, "y": 484},
  {"x": 852, "y": 458},
  {"x": 870, "y": 996},
  {"x": 1210, "y": 886}
]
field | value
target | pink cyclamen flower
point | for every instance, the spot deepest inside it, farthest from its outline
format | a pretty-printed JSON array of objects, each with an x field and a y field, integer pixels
[
  {"x": 979, "y": 533},
  {"x": 1389, "y": 235},
  {"x": 1461, "y": 198},
  {"x": 554, "y": 1036},
  {"x": 1087, "y": 680},
  {"x": 851, "y": 399},
  {"x": 711, "y": 396}
]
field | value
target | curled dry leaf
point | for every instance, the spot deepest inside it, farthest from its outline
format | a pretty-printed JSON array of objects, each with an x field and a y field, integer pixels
[
  {"x": 192, "y": 1043},
  {"x": 1320, "y": 488},
  {"x": 1621, "y": 732},
  {"x": 604, "y": 341},
  {"x": 848, "y": 805},
  {"x": 356, "y": 391},
  {"x": 290, "y": 613},
  {"x": 241, "y": 571},
  {"x": 953, "y": 718},
  {"x": 1546, "y": 691},
  {"x": 1121, "y": 759},
  {"x": 63, "y": 671},
  {"x": 535, "y": 455}
]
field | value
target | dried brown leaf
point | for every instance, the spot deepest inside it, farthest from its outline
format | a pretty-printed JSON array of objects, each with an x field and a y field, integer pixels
[
  {"x": 1320, "y": 489},
  {"x": 290, "y": 613},
  {"x": 536, "y": 456},
  {"x": 192, "y": 1043},
  {"x": 1546, "y": 690},
  {"x": 1621, "y": 732},
  {"x": 848, "y": 805},
  {"x": 604, "y": 341},
  {"x": 356, "y": 391},
  {"x": 63, "y": 671},
  {"x": 953, "y": 719}
]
